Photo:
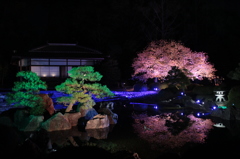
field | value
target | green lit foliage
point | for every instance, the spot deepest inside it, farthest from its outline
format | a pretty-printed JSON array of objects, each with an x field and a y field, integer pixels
[
  {"x": 177, "y": 78},
  {"x": 24, "y": 92},
  {"x": 82, "y": 87}
]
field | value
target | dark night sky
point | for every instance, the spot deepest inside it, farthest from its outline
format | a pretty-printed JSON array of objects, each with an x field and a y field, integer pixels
[{"x": 122, "y": 28}]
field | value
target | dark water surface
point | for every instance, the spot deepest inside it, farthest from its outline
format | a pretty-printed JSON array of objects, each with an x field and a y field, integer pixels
[{"x": 220, "y": 141}]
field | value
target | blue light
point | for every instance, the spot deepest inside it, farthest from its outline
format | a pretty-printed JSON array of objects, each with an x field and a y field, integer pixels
[
  {"x": 131, "y": 94},
  {"x": 155, "y": 107},
  {"x": 214, "y": 107},
  {"x": 182, "y": 93},
  {"x": 198, "y": 101},
  {"x": 155, "y": 89},
  {"x": 198, "y": 114}
]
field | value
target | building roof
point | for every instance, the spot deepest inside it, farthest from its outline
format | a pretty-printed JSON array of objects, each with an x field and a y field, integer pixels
[{"x": 63, "y": 50}]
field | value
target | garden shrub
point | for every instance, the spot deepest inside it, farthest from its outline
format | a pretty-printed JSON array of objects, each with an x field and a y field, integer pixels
[{"x": 25, "y": 92}]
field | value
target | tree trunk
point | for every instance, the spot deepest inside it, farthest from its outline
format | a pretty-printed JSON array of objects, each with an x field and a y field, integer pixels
[{"x": 69, "y": 108}]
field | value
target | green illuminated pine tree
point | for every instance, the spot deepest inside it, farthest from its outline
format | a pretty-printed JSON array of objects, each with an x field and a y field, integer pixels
[
  {"x": 24, "y": 93},
  {"x": 82, "y": 87}
]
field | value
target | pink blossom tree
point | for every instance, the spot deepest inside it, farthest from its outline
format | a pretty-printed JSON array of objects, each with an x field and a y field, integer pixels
[{"x": 160, "y": 56}]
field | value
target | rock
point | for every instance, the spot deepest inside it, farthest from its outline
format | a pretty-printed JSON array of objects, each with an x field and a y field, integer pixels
[
  {"x": 48, "y": 103},
  {"x": 105, "y": 111},
  {"x": 88, "y": 113},
  {"x": 73, "y": 118},
  {"x": 113, "y": 118},
  {"x": 56, "y": 122},
  {"x": 99, "y": 121},
  {"x": 33, "y": 124}
]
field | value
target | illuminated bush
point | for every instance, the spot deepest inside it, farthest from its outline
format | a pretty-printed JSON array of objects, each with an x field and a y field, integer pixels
[
  {"x": 24, "y": 93},
  {"x": 82, "y": 87}
]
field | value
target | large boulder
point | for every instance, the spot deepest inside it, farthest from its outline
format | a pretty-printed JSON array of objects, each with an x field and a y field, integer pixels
[
  {"x": 99, "y": 121},
  {"x": 57, "y": 122},
  {"x": 113, "y": 117},
  {"x": 73, "y": 118},
  {"x": 88, "y": 113},
  {"x": 33, "y": 124},
  {"x": 48, "y": 103}
]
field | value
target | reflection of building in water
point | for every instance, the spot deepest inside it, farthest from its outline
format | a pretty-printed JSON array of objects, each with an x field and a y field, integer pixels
[{"x": 219, "y": 96}]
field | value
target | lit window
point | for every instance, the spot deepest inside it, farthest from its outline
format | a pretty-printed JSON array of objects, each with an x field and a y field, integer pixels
[
  {"x": 46, "y": 71},
  {"x": 36, "y": 69}
]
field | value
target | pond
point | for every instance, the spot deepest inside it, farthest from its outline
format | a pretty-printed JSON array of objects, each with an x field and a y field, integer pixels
[{"x": 151, "y": 130}]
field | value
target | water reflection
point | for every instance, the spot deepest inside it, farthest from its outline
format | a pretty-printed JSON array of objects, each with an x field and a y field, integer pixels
[
  {"x": 74, "y": 136},
  {"x": 162, "y": 128}
]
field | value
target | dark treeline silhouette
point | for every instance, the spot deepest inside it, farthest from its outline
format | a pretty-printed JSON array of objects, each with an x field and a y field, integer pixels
[{"x": 123, "y": 28}]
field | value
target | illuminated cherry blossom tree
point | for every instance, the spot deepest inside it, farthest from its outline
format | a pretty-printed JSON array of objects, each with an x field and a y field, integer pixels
[{"x": 160, "y": 56}]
